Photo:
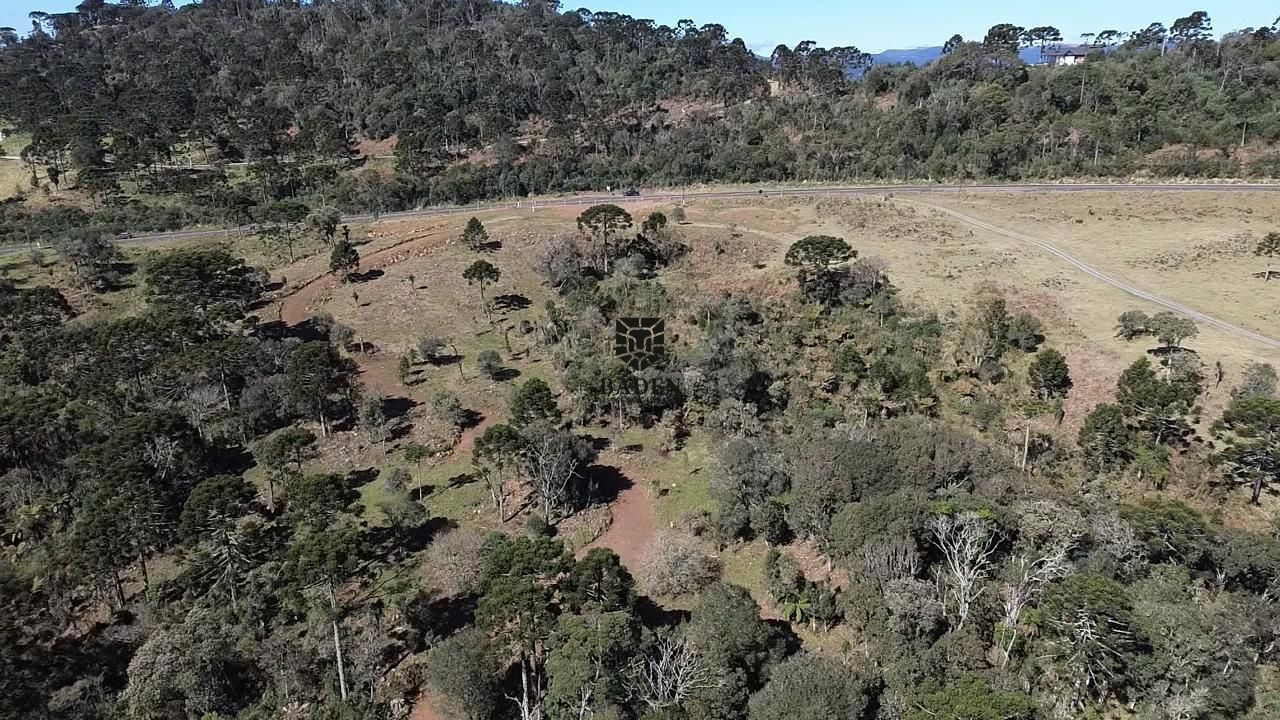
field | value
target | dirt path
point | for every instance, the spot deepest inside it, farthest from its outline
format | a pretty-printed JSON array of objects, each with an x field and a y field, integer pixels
[
  {"x": 426, "y": 707},
  {"x": 634, "y": 523},
  {"x": 1097, "y": 274}
]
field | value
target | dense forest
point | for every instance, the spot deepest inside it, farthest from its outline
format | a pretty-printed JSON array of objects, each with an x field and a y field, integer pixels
[{"x": 240, "y": 111}]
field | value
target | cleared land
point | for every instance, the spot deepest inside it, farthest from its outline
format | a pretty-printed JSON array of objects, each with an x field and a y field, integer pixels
[{"x": 1192, "y": 248}]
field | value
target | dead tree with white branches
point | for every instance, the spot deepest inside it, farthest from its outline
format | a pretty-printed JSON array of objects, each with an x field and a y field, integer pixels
[
  {"x": 1029, "y": 577},
  {"x": 967, "y": 542},
  {"x": 669, "y": 674},
  {"x": 1087, "y": 649}
]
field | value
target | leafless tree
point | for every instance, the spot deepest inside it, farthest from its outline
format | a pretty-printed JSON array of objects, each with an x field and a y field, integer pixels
[
  {"x": 669, "y": 674},
  {"x": 1030, "y": 574},
  {"x": 967, "y": 542},
  {"x": 163, "y": 454},
  {"x": 1191, "y": 704},
  {"x": 551, "y": 463},
  {"x": 676, "y": 564},
  {"x": 202, "y": 404},
  {"x": 1044, "y": 524},
  {"x": 1116, "y": 539},
  {"x": 887, "y": 560},
  {"x": 1086, "y": 651},
  {"x": 915, "y": 606},
  {"x": 456, "y": 559}
]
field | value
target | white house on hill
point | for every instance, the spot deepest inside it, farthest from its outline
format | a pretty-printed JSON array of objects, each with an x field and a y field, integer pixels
[{"x": 1069, "y": 54}]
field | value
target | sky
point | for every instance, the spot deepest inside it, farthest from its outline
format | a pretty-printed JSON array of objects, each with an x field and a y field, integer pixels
[{"x": 875, "y": 25}]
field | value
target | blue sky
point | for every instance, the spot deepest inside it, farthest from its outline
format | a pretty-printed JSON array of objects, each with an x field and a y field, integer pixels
[{"x": 872, "y": 26}]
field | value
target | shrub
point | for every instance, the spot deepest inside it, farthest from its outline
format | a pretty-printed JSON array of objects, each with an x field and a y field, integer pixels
[
  {"x": 678, "y": 565},
  {"x": 398, "y": 479},
  {"x": 455, "y": 560},
  {"x": 489, "y": 363}
]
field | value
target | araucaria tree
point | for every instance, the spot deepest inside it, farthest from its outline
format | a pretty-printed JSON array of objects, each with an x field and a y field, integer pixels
[
  {"x": 1048, "y": 374},
  {"x": 474, "y": 235},
  {"x": 323, "y": 558},
  {"x": 818, "y": 257},
  {"x": 1154, "y": 405},
  {"x": 1268, "y": 247},
  {"x": 603, "y": 223},
  {"x": 211, "y": 281},
  {"x": 314, "y": 375},
  {"x": 343, "y": 259},
  {"x": 496, "y": 458},
  {"x": 482, "y": 273},
  {"x": 1250, "y": 433}
]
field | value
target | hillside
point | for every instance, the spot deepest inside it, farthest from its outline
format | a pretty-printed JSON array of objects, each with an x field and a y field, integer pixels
[
  {"x": 143, "y": 118},
  {"x": 979, "y": 452}
]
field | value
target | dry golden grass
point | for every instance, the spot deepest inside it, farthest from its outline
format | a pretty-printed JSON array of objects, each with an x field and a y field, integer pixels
[
  {"x": 1189, "y": 247},
  {"x": 1195, "y": 248},
  {"x": 15, "y": 179}
]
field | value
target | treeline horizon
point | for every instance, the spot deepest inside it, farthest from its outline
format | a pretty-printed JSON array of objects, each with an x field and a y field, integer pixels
[{"x": 244, "y": 111}]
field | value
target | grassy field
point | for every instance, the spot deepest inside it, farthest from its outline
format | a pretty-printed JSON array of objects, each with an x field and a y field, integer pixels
[
  {"x": 1199, "y": 256},
  {"x": 13, "y": 143}
]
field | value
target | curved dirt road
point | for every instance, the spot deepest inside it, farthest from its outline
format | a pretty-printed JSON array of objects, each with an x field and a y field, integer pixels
[
  {"x": 671, "y": 195},
  {"x": 1105, "y": 278}
]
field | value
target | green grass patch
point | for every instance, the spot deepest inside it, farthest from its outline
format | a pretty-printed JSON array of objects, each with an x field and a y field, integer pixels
[
  {"x": 374, "y": 495},
  {"x": 15, "y": 179},
  {"x": 14, "y": 143},
  {"x": 444, "y": 490},
  {"x": 682, "y": 480},
  {"x": 744, "y": 567},
  {"x": 455, "y": 501}
]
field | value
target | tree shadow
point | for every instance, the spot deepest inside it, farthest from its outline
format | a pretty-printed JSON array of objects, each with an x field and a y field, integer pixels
[
  {"x": 397, "y": 407},
  {"x": 444, "y": 360},
  {"x": 784, "y": 631},
  {"x": 654, "y": 615},
  {"x": 403, "y": 541},
  {"x": 357, "y": 479},
  {"x": 399, "y": 431},
  {"x": 364, "y": 347},
  {"x": 471, "y": 418},
  {"x": 511, "y": 301},
  {"x": 506, "y": 374},
  {"x": 368, "y": 275},
  {"x": 460, "y": 480},
  {"x": 104, "y": 650},
  {"x": 607, "y": 483},
  {"x": 307, "y": 331},
  {"x": 229, "y": 460},
  {"x": 1164, "y": 353}
]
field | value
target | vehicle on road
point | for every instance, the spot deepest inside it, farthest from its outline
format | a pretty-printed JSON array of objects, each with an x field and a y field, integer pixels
[{"x": 632, "y": 193}]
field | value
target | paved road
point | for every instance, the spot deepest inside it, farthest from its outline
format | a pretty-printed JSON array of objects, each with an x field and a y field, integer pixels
[{"x": 1113, "y": 282}]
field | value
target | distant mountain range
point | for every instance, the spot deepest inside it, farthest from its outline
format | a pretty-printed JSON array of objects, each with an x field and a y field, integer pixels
[{"x": 926, "y": 55}]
